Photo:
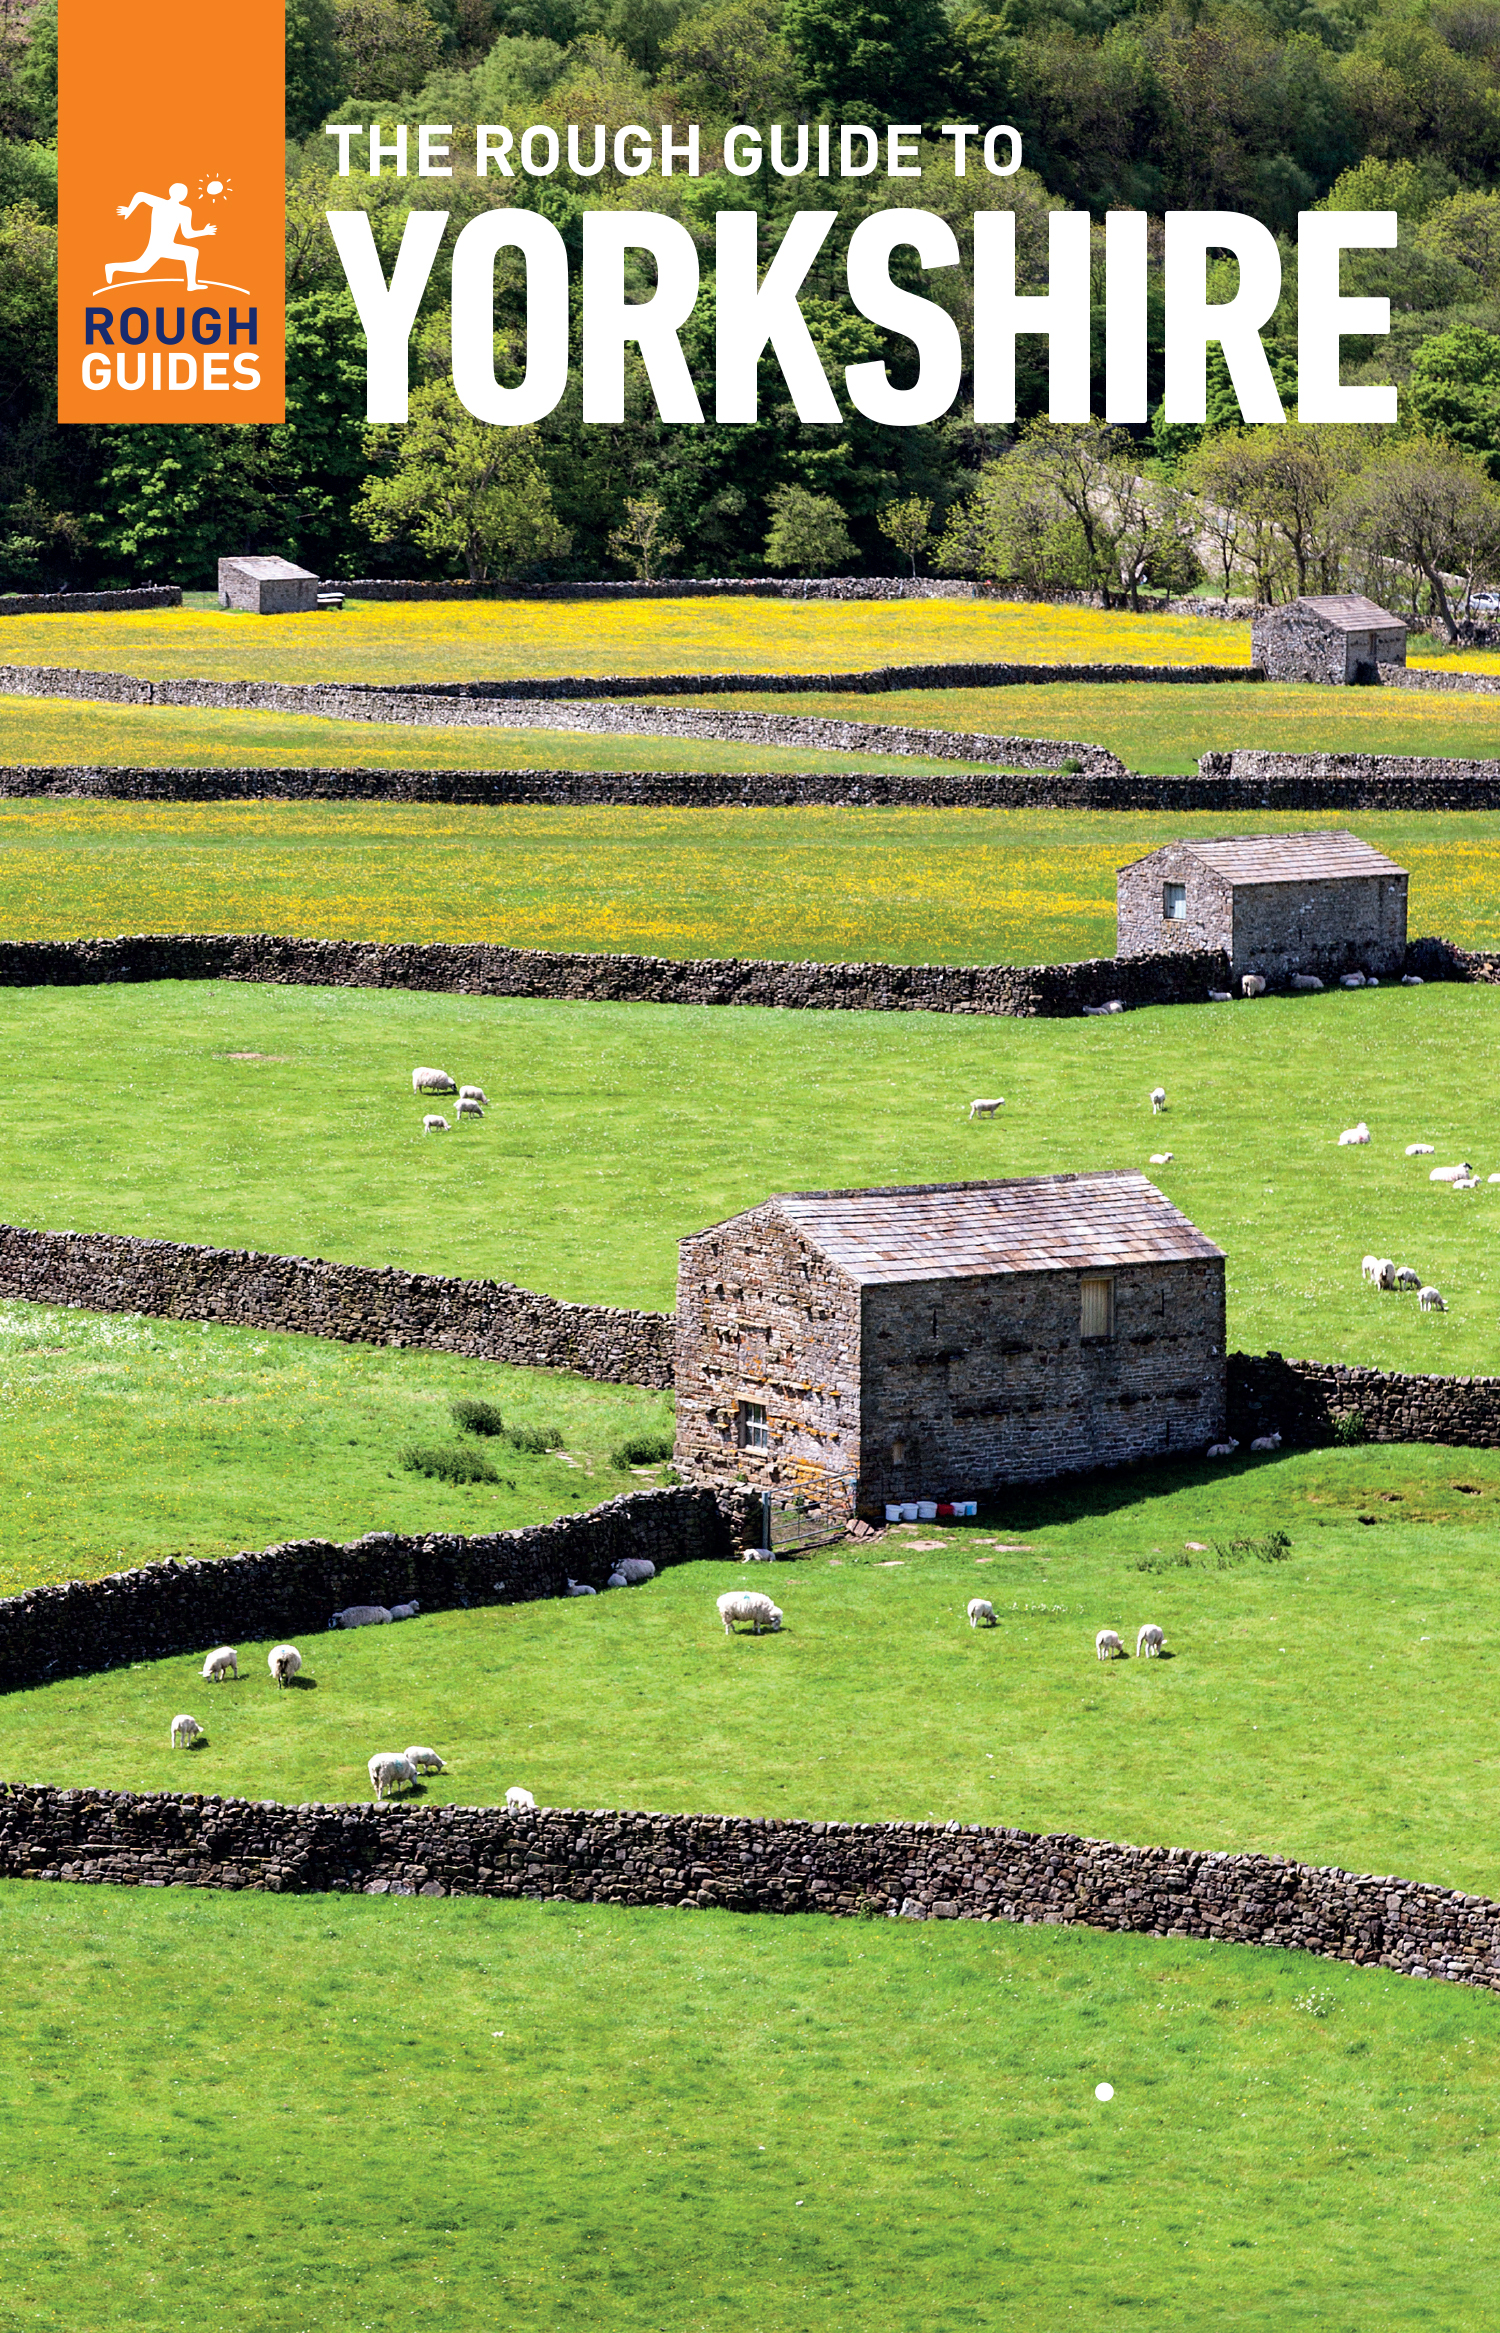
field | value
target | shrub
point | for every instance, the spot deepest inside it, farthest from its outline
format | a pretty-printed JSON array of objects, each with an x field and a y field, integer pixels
[
  {"x": 449, "y": 1464},
  {"x": 535, "y": 1437},
  {"x": 476, "y": 1417},
  {"x": 646, "y": 1449},
  {"x": 1351, "y": 1427}
]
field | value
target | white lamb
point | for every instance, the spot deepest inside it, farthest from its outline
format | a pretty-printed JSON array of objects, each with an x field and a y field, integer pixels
[
  {"x": 283, "y": 1661},
  {"x": 426, "y": 1761},
  {"x": 225, "y": 1662},
  {"x": 1266, "y": 1442},
  {"x": 473, "y": 1093},
  {"x": 748, "y": 1605},
  {"x": 468, "y": 1109},
  {"x": 387, "y": 1769},
  {"x": 1307, "y": 984},
  {"x": 360, "y": 1616},
  {"x": 1430, "y": 1299},
  {"x": 759, "y": 1555},
  {"x": 986, "y": 1109},
  {"x": 1453, "y": 1174},
  {"x": 635, "y": 1570},
  {"x": 1411, "y": 980},
  {"x": 577, "y": 1588},
  {"x": 1420, "y": 1149},
  {"x": 1160, "y": 1158},
  {"x": 432, "y": 1081},
  {"x": 185, "y": 1731},
  {"x": 617, "y": 1580},
  {"x": 1370, "y": 1270},
  {"x": 1222, "y": 1449},
  {"x": 1158, "y": 1100},
  {"x": 435, "y": 1125},
  {"x": 1351, "y": 980},
  {"x": 519, "y": 1801},
  {"x": 1220, "y": 996},
  {"x": 1354, "y": 1136},
  {"x": 1252, "y": 984},
  {"x": 1107, "y": 1644},
  {"x": 405, "y": 1611},
  {"x": 980, "y": 1609},
  {"x": 1385, "y": 1273},
  {"x": 1406, "y": 1277},
  {"x": 1149, "y": 1642}
]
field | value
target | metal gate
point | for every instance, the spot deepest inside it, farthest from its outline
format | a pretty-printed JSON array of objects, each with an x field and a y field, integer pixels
[{"x": 806, "y": 1518}]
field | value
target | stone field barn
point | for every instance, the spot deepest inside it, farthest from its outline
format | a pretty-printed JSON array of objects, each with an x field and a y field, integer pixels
[
  {"x": 943, "y": 1340},
  {"x": 1340, "y": 640},
  {"x": 1276, "y": 904}
]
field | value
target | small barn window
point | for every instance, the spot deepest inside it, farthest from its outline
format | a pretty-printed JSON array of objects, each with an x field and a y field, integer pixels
[
  {"x": 1098, "y": 1311},
  {"x": 753, "y": 1435},
  {"x": 1174, "y": 902}
]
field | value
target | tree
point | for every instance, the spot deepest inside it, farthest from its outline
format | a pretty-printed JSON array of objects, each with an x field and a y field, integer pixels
[
  {"x": 1454, "y": 390},
  {"x": 640, "y": 543},
  {"x": 1431, "y": 506},
  {"x": 729, "y": 58},
  {"x": 312, "y": 65},
  {"x": 807, "y": 532},
  {"x": 385, "y": 46},
  {"x": 907, "y": 524},
  {"x": 1014, "y": 528},
  {"x": 461, "y": 486},
  {"x": 870, "y": 60}
]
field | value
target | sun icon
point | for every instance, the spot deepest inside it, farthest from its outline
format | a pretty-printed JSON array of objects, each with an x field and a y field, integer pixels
[{"x": 214, "y": 190}]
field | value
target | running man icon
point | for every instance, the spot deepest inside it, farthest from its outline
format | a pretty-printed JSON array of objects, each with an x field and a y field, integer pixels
[{"x": 170, "y": 217}]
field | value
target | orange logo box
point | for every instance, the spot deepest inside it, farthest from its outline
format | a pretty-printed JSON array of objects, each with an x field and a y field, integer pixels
[{"x": 172, "y": 211}]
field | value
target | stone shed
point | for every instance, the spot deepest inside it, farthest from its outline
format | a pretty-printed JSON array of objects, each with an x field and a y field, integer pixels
[
  {"x": 1276, "y": 904},
  {"x": 941, "y": 1340},
  {"x": 257, "y": 586},
  {"x": 1340, "y": 639}
]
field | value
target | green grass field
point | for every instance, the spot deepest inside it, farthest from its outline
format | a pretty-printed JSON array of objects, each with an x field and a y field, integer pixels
[
  {"x": 1334, "y": 1706},
  {"x": 345, "y": 2114},
  {"x": 892, "y": 886},
  {"x": 127, "y": 1439},
  {"x": 616, "y": 1129}
]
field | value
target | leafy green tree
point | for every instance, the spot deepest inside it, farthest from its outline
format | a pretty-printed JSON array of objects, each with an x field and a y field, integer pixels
[
  {"x": 385, "y": 47},
  {"x": 643, "y": 542},
  {"x": 870, "y": 60},
  {"x": 33, "y": 79},
  {"x": 1432, "y": 507},
  {"x": 729, "y": 59},
  {"x": 312, "y": 65},
  {"x": 907, "y": 524},
  {"x": 461, "y": 487},
  {"x": 1454, "y": 391},
  {"x": 807, "y": 532}
]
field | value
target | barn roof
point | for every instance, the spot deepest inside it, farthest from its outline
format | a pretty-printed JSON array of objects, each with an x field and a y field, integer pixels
[
  {"x": 1036, "y": 1223},
  {"x": 1346, "y": 611},
  {"x": 1328, "y": 855}
]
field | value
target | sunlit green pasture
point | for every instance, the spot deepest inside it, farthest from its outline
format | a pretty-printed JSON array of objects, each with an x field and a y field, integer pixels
[{"x": 283, "y": 1118}]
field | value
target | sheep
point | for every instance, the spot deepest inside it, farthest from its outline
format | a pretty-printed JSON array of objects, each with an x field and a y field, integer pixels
[
  {"x": 360, "y": 1616},
  {"x": 617, "y": 1580},
  {"x": 1385, "y": 1273},
  {"x": 1411, "y": 980},
  {"x": 747, "y": 1604},
  {"x": 1351, "y": 980},
  {"x": 406, "y": 1611},
  {"x": 635, "y": 1570},
  {"x": 1464, "y": 1183},
  {"x": 1266, "y": 1442},
  {"x": 387, "y": 1768},
  {"x": 1158, "y": 1100},
  {"x": 1307, "y": 984},
  {"x": 426, "y": 1761},
  {"x": 577, "y": 1588},
  {"x": 468, "y": 1110},
  {"x": 225, "y": 1662},
  {"x": 1370, "y": 1270},
  {"x": 1453, "y": 1174},
  {"x": 980, "y": 1609},
  {"x": 185, "y": 1731},
  {"x": 1222, "y": 1449},
  {"x": 519, "y": 1801},
  {"x": 1107, "y": 1644},
  {"x": 1160, "y": 1158},
  {"x": 1252, "y": 984},
  {"x": 986, "y": 1109},
  {"x": 1354, "y": 1136},
  {"x": 473, "y": 1093},
  {"x": 432, "y": 1124},
  {"x": 1420, "y": 1149},
  {"x": 1220, "y": 996},
  {"x": 432, "y": 1081},
  {"x": 1149, "y": 1642},
  {"x": 283, "y": 1661},
  {"x": 1406, "y": 1277},
  {"x": 759, "y": 1555},
  {"x": 1431, "y": 1300}
]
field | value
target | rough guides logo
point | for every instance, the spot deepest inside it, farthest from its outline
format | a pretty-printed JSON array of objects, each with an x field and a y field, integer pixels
[{"x": 171, "y": 158}]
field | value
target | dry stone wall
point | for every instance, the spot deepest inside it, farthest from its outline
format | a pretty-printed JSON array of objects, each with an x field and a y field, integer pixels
[
  {"x": 914, "y": 1871},
  {"x": 88, "y": 603},
  {"x": 486, "y": 1320},
  {"x": 1310, "y": 1402},
  {"x": 1348, "y": 781},
  {"x": 872, "y": 680}
]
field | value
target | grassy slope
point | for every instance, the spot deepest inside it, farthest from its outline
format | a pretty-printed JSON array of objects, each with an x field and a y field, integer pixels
[
  {"x": 124, "y": 1439},
  {"x": 618, "y": 1128},
  {"x": 393, "y": 2114},
  {"x": 913, "y": 886},
  {"x": 1168, "y": 728}
]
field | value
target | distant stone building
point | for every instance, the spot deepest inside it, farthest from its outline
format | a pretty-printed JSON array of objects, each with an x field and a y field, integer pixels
[
  {"x": 1340, "y": 640},
  {"x": 1274, "y": 903},
  {"x": 942, "y": 1340},
  {"x": 266, "y": 587}
]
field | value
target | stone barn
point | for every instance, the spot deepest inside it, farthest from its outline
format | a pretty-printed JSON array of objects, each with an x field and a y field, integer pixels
[
  {"x": 1341, "y": 639},
  {"x": 1276, "y": 904},
  {"x": 941, "y": 1340}
]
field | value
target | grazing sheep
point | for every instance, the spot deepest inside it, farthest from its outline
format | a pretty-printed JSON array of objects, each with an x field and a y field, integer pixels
[
  {"x": 1420, "y": 1149},
  {"x": 1406, "y": 1277},
  {"x": 1431, "y": 1300},
  {"x": 432, "y": 1081},
  {"x": 519, "y": 1801},
  {"x": 980, "y": 1609},
  {"x": 1385, "y": 1273},
  {"x": 1252, "y": 984},
  {"x": 406, "y": 1611},
  {"x": 1160, "y": 1158},
  {"x": 1370, "y": 1270},
  {"x": 1107, "y": 1645},
  {"x": 360, "y": 1616},
  {"x": 1158, "y": 1100},
  {"x": 1356, "y": 1136},
  {"x": 1453, "y": 1174},
  {"x": 759, "y": 1555},
  {"x": 473, "y": 1093},
  {"x": 468, "y": 1110},
  {"x": 1307, "y": 984},
  {"x": 1149, "y": 1642},
  {"x": 577, "y": 1588},
  {"x": 426, "y": 1761},
  {"x": 432, "y": 1124},
  {"x": 185, "y": 1731},
  {"x": 225, "y": 1662},
  {"x": 387, "y": 1768},
  {"x": 283, "y": 1661},
  {"x": 986, "y": 1109},
  {"x": 1222, "y": 1449},
  {"x": 747, "y": 1604},
  {"x": 1220, "y": 996},
  {"x": 1266, "y": 1442}
]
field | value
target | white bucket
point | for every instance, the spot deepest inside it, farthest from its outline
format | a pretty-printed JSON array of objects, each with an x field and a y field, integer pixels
[
  {"x": 927, "y": 1510},
  {"x": 969, "y": 1507},
  {"x": 909, "y": 1511},
  {"x": 893, "y": 1514}
]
